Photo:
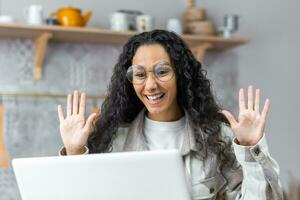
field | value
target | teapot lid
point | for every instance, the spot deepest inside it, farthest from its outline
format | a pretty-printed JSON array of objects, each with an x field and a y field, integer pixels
[{"x": 70, "y": 8}]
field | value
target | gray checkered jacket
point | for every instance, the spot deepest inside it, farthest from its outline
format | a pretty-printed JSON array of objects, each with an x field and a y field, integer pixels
[{"x": 255, "y": 178}]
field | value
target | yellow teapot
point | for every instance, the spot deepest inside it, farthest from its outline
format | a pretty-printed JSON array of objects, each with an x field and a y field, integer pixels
[{"x": 71, "y": 16}]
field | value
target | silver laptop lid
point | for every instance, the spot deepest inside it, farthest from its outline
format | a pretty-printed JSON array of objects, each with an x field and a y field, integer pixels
[{"x": 145, "y": 175}]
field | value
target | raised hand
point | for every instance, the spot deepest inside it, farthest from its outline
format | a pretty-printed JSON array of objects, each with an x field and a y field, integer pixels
[
  {"x": 250, "y": 125},
  {"x": 74, "y": 129}
]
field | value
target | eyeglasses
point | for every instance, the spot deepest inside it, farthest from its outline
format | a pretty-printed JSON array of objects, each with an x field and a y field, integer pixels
[{"x": 162, "y": 71}]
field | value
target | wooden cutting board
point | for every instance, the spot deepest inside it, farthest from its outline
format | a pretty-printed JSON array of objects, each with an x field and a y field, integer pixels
[{"x": 4, "y": 161}]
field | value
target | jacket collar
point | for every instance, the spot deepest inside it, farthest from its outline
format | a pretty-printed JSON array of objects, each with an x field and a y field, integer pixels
[{"x": 136, "y": 140}]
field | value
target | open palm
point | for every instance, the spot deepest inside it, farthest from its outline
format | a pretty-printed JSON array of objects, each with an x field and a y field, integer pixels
[
  {"x": 250, "y": 125},
  {"x": 74, "y": 129}
]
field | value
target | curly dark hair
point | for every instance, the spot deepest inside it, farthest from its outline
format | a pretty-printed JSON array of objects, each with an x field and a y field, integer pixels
[{"x": 194, "y": 95}]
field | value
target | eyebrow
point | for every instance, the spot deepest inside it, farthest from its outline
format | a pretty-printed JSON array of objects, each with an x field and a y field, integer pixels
[{"x": 160, "y": 62}]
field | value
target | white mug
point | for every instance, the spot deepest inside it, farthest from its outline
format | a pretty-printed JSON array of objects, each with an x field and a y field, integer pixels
[
  {"x": 34, "y": 14},
  {"x": 174, "y": 25},
  {"x": 144, "y": 23},
  {"x": 119, "y": 21},
  {"x": 6, "y": 19}
]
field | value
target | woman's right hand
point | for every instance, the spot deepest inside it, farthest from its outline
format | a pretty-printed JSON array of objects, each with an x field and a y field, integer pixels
[{"x": 74, "y": 129}]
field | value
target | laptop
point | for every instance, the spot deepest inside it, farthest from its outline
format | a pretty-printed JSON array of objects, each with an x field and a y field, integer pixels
[{"x": 145, "y": 175}]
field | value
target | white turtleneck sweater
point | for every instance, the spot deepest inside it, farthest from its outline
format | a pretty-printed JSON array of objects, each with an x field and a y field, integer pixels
[{"x": 164, "y": 135}]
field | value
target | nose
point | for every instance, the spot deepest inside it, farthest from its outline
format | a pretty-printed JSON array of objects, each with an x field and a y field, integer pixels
[{"x": 151, "y": 84}]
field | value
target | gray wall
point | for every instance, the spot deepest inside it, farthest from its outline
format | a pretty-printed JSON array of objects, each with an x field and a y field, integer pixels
[
  {"x": 271, "y": 62},
  {"x": 268, "y": 61}
]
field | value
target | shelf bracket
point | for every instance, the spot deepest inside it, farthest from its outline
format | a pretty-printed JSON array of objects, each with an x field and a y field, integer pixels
[
  {"x": 200, "y": 50},
  {"x": 4, "y": 159},
  {"x": 40, "y": 43}
]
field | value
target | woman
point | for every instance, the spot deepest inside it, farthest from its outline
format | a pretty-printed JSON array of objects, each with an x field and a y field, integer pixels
[{"x": 159, "y": 98}]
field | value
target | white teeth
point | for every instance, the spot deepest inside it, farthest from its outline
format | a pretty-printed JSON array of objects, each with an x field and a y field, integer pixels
[{"x": 154, "y": 97}]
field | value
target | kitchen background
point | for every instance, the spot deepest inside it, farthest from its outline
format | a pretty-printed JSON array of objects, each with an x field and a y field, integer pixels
[{"x": 269, "y": 61}]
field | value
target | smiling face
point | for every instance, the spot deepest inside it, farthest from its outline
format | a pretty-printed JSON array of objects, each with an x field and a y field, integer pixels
[{"x": 158, "y": 97}]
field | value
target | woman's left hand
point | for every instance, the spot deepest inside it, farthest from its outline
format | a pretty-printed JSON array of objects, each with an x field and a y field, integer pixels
[{"x": 250, "y": 125}]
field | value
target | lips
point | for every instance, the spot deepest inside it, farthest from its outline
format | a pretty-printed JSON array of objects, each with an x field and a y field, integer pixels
[{"x": 155, "y": 99}]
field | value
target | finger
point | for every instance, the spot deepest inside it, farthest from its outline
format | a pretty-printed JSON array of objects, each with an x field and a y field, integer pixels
[
  {"x": 265, "y": 109},
  {"x": 230, "y": 118},
  {"x": 250, "y": 97},
  {"x": 242, "y": 100},
  {"x": 60, "y": 113},
  {"x": 75, "y": 102},
  {"x": 69, "y": 105},
  {"x": 89, "y": 122},
  {"x": 82, "y": 104},
  {"x": 257, "y": 96}
]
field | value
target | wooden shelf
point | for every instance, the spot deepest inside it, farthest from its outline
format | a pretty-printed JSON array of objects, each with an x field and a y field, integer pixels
[{"x": 42, "y": 33}]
